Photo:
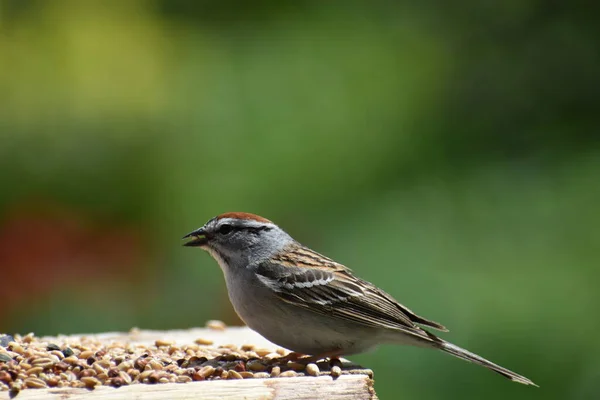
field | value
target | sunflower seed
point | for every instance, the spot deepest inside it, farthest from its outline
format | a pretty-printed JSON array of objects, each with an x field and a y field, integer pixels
[{"x": 67, "y": 352}]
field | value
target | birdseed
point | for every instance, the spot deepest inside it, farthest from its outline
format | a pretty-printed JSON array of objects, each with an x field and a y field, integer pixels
[
  {"x": 206, "y": 371},
  {"x": 336, "y": 371},
  {"x": 52, "y": 346},
  {"x": 34, "y": 371},
  {"x": 27, "y": 362},
  {"x": 262, "y": 352},
  {"x": 281, "y": 352},
  {"x": 90, "y": 381},
  {"x": 155, "y": 365},
  {"x": 233, "y": 374},
  {"x": 35, "y": 383},
  {"x": 5, "y": 340},
  {"x": 28, "y": 338},
  {"x": 159, "y": 343},
  {"x": 216, "y": 325},
  {"x": 5, "y": 357},
  {"x": 67, "y": 352},
  {"x": 13, "y": 391},
  {"x": 256, "y": 365},
  {"x": 84, "y": 355},
  {"x": 16, "y": 347},
  {"x": 312, "y": 369}
]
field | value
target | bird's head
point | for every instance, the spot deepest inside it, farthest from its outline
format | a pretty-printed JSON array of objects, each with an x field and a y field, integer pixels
[{"x": 239, "y": 237}]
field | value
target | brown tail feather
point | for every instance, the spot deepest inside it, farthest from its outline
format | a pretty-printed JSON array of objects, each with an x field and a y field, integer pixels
[{"x": 474, "y": 358}]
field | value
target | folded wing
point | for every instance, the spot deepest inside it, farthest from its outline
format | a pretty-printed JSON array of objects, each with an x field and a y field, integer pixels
[{"x": 310, "y": 280}]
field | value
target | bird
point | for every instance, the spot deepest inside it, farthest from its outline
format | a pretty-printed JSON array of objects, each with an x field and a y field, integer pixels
[{"x": 308, "y": 303}]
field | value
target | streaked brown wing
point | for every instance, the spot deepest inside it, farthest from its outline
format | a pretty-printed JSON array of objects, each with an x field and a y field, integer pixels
[{"x": 307, "y": 279}]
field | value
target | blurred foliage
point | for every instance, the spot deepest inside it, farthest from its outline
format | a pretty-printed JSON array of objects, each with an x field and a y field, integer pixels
[{"x": 447, "y": 151}]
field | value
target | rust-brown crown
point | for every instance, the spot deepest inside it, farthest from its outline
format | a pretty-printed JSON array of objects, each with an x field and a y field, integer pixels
[{"x": 243, "y": 215}]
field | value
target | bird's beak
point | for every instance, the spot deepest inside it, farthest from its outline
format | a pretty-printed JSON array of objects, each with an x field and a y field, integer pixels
[{"x": 198, "y": 238}]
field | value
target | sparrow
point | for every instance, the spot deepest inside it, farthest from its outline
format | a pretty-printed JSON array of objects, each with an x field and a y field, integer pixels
[{"x": 309, "y": 303}]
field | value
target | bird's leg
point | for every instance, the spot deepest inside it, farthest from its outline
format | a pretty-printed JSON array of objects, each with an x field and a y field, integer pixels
[
  {"x": 335, "y": 360},
  {"x": 292, "y": 356},
  {"x": 333, "y": 356}
]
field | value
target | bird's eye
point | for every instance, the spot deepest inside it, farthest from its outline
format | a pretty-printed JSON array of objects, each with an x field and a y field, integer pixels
[{"x": 225, "y": 229}]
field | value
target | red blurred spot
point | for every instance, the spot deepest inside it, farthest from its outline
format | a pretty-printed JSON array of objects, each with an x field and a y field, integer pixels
[{"x": 42, "y": 248}]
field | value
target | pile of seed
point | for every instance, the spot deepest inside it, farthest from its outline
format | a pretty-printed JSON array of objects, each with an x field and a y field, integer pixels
[{"x": 28, "y": 362}]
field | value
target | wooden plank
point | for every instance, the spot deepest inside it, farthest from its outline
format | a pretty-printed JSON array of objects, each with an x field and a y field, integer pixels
[
  {"x": 324, "y": 387},
  {"x": 354, "y": 383}
]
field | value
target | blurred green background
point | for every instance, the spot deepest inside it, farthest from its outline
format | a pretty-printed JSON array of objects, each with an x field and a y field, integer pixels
[{"x": 447, "y": 151}]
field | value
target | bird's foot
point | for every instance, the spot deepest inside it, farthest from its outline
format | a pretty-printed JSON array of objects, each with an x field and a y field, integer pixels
[
  {"x": 291, "y": 357},
  {"x": 332, "y": 357}
]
